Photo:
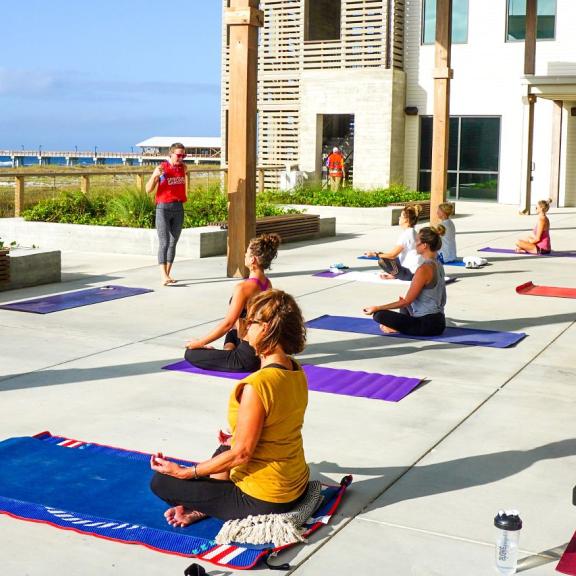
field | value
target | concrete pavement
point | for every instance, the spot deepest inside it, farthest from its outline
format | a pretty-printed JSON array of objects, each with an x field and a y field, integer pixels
[{"x": 489, "y": 429}]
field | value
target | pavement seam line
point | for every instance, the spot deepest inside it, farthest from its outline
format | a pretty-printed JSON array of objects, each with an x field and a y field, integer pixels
[
  {"x": 442, "y": 439},
  {"x": 450, "y": 536},
  {"x": 422, "y": 531},
  {"x": 466, "y": 418}
]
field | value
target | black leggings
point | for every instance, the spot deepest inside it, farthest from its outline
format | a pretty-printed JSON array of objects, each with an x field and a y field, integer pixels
[
  {"x": 393, "y": 267},
  {"x": 242, "y": 359},
  {"x": 428, "y": 325},
  {"x": 169, "y": 222},
  {"x": 219, "y": 498}
]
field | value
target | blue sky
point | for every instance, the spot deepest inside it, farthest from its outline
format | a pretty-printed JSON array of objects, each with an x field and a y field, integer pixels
[{"x": 109, "y": 73}]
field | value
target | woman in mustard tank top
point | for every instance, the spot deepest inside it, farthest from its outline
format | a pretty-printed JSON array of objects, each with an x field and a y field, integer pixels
[{"x": 263, "y": 470}]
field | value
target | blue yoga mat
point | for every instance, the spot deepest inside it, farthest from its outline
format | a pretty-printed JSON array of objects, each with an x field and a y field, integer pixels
[
  {"x": 69, "y": 300},
  {"x": 455, "y": 263},
  {"x": 467, "y": 336},
  {"x": 104, "y": 491}
]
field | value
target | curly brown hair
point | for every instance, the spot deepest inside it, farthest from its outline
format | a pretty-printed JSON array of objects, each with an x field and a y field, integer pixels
[
  {"x": 265, "y": 248},
  {"x": 285, "y": 323}
]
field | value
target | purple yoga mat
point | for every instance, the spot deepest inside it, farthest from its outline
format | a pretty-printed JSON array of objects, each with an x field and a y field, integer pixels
[
  {"x": 328, "y": 274},
  {"x": 68, "y": 300},
  {"x": 331, "y": 380},
  {"x": 554, "y": 253},
  {"x": 453, "y": 335}
]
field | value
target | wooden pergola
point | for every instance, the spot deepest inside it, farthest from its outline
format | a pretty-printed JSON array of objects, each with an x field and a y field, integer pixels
[{"x": 243, "y": 18}]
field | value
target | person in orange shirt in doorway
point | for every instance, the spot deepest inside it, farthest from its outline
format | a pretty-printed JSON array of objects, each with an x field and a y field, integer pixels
[{"x": 335, "y": 163}]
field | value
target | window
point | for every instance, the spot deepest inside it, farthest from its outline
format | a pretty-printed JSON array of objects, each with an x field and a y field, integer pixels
[
  {"x": 459, "y": 22},
  {"x": 322, "y": 20},
  {"x": 473, "y": 157},
  {"x": 545, "y": 20}
]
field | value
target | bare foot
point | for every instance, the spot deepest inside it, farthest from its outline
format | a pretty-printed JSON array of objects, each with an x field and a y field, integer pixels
[
  {"x": 388, "y": 330},
  {"x": 521, "y": 251},
  {"x": 181, "y": 517},
  {"x": 386, "y": 276}
]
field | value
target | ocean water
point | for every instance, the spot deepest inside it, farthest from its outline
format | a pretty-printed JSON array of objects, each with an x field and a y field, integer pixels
[{"x": 6, "y": 162}]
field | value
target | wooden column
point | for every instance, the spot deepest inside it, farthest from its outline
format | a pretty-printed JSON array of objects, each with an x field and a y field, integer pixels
[
  {"x": 19, "y": 196},
  {"x": 244, "y": 19},
  {"x": 85, "y": 183},
  {"x": 530, "y": 39},
  {"x": 556, "y": 152},
  {"x": 441, "y": 122},
  {"x": 260, "y": 180},
  {"x": 529, "y": 70}
]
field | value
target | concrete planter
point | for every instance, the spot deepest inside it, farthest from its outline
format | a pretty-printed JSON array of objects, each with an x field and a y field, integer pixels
[
  {"x": 194, "y": 242},
  {"x": 32, "y": 267},
  {"x": 4, "y": 266}
]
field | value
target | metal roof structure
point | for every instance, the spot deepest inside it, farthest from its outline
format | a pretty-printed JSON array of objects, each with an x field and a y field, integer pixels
[{"x": 188, "y": 141}]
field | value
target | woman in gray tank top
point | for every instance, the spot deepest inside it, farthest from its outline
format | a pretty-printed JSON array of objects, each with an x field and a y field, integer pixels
[{"x": 422, "y": 309}]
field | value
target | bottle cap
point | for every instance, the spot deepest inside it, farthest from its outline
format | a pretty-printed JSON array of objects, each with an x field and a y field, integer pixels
[{"x": 508, "y": 520}]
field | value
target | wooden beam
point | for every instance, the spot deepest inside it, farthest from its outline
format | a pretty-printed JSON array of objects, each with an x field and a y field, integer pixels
[
  {"x": 526, "y": 193},
  {"x": 530, "y": 37},
  {"x": 556, "y": 152},
  {"x": 441, "y": 122},
  {"x": 244, "y": 19},
  {"x": 529, "y": 69},
  {"x": 19, "y": 196},
  {"x": 85, "y": 183}
]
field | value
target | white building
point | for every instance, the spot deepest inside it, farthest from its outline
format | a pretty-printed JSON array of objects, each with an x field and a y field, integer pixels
[
  {"x": 488, "y": 104},
  {"x": 359, "y": 74}
]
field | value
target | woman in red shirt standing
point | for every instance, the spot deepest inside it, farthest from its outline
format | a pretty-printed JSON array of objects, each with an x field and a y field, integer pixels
[{"x": 169, "y": 179}]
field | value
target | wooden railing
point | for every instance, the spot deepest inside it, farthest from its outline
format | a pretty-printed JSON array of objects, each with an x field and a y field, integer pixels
[{"x": 141, "y": 174}]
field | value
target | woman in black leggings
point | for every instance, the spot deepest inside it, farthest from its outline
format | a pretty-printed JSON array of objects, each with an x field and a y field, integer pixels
[
  {"x": 237, "y": 355},
  {"x": 169, "y": 182},
  {"x": 422, "y": 309}
]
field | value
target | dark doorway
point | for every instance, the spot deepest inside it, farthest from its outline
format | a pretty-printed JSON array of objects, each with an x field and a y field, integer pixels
[{"x": 338, "y": 130}]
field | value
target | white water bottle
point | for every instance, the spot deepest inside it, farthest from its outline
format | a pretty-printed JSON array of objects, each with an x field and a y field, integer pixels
[{"x": 508, "y": 524}]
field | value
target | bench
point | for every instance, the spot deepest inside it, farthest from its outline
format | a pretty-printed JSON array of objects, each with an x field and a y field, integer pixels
[
  {"x": 290, "y": 227},
  {"x": 4, "y": 266},
  {"x": 424, "y": 214}
]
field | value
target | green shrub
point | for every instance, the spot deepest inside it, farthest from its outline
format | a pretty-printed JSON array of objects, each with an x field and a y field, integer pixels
[
  {"x": 132, "y": 208},
  {"x": 316, "y": 196}
]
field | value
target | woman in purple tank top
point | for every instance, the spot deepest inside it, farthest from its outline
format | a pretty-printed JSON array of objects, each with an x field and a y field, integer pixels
[
  {"x": 539, "y": 241},
  {"x": 237, "y": 355}
]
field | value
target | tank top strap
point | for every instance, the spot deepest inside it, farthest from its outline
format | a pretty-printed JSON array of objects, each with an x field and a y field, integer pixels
[{"x": 262, "y": 285}]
